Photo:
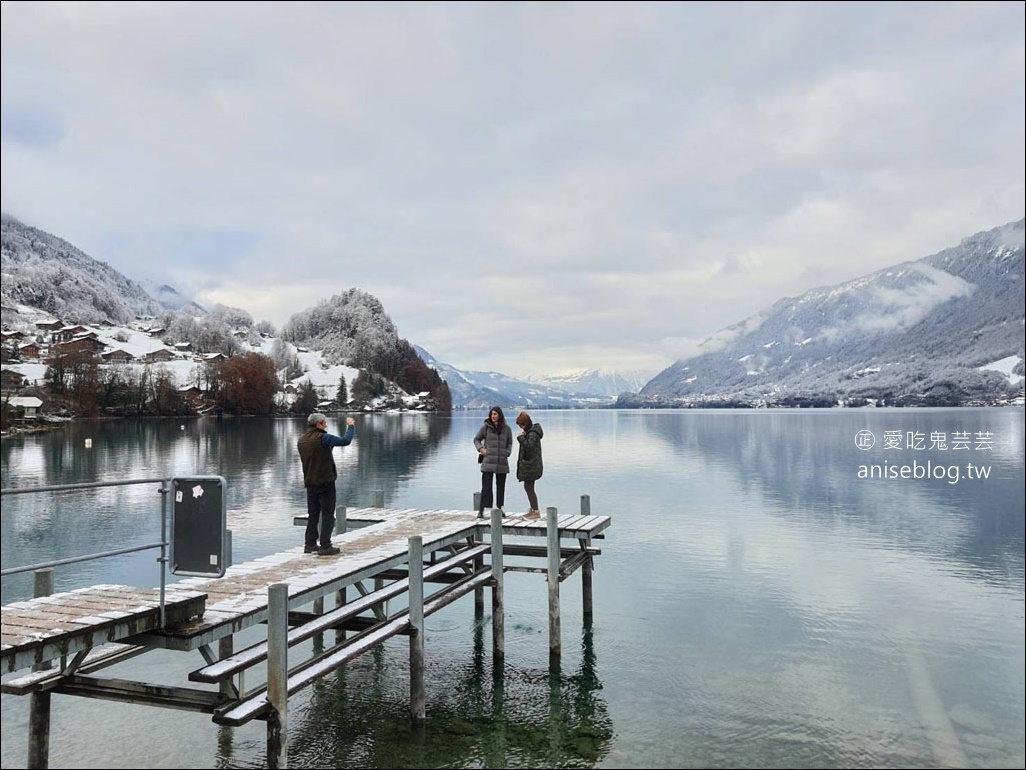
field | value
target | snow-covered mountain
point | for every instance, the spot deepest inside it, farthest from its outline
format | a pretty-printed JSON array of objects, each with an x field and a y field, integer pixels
[
  {"x": 938, "y": 330},
  {"x": 353, "y": 328},
  {"x": 127, "y": 352},
  {"x": 43, "y": 271},
  {"x": 350, "y": 336},
  {"x": 481, "y": 390},
  {"x": 609, "y": 383},
  {"x": 169, "y": 298}
]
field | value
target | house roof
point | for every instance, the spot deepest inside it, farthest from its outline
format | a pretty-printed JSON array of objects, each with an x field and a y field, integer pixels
[{"x": 29, "y": 402}]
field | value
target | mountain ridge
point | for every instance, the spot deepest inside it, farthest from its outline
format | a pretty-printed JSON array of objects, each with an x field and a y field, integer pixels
[
  {"x": 481, "y": 390},
  {"x": 50, "y": 274},
  {"x": 916, "y": 332},
  {"x": 923, "y": 331},
  {"x": 35, "y": 263}
]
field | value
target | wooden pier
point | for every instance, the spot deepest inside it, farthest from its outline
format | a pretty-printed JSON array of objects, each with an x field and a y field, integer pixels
[{"x": 387, "y": 556}]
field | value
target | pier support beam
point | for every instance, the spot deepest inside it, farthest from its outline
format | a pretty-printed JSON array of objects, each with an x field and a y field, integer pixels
[
  {"x": 341, "y": 520},
  {"x": 277, "y": 675},
  {"x": 379, "y": 502},
  {"x": 498, "y": 617},
  {"x": 555, "y": 647},
  {"x": 39, "y": 702},
  {"x": 588, "y": 566},
  {"x": 318, "y": 609},
  {"x": 225, "y": 648},
  {"x": 478, "y": 562},
  {"x": 418, "y": 694},
  {"x": 341, "y": 524}
]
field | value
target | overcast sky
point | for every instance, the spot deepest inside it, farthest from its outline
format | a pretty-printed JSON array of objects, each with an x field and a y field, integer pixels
[{"x": 527, "y": 188}]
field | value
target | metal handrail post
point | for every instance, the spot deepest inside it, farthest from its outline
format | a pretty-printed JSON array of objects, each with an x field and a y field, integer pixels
[
  {"x": 163, "y": 559},
  {"x": 165, "y": 490}
]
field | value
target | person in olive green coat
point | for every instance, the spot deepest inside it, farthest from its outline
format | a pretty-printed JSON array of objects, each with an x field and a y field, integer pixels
[{"x": 529, "y": 460}]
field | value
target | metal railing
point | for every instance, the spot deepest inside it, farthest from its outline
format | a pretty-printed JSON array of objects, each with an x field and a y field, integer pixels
[{"x": 165, "y": 488}]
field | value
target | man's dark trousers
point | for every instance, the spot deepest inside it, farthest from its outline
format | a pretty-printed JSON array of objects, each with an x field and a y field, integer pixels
[{"x": 320, "y": 509}]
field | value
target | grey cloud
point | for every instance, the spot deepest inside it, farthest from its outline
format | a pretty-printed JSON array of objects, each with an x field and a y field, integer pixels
[
  {"x": 34, "y": 128},
  {"x": 611, "y": 175}
]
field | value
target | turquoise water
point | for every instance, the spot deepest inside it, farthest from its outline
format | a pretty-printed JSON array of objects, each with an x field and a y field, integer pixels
[{"x": 760, "y": 601}]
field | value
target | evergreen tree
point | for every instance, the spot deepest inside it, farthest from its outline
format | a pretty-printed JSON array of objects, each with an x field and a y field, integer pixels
[
  {"x": 306, "y": 403},
  {"x": 363, "y": 388},
  {"x": 342, "y": 395}
]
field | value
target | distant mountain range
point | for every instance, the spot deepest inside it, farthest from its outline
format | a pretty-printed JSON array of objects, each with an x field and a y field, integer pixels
[
  {"x": 922, "y": 332},
  {"x": 481, "y": 390},
  {"x": 932, "y": 331},
  {"x": 45, "y": 272},
  {"x": 609, "y": 383}
]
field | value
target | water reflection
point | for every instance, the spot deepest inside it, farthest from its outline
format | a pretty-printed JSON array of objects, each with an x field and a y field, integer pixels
[
  {"x": 387, "y": 446},
  {"x": 545, "y": 717},
  {"x": 257, "y": 457},
  {"x": 808, "y": 464},
  {"x": 756, "y": 603},
  {"x": 401, "y": 445}
]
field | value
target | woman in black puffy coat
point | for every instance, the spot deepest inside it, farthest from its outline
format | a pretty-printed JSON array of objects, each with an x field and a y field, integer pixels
[{"x": 529, "y": 460}]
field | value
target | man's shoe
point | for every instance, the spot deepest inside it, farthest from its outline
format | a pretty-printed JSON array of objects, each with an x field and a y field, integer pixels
[
  {"x": 331, "y": 550},
  {"x": 309, "y": 549}
]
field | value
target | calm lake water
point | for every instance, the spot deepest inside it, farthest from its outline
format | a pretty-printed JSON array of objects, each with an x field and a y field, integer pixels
[{"x": 757, "y": 602}]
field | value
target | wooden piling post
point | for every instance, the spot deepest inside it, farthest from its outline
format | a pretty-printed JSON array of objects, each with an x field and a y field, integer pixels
[
  {"x": 341, "y": 524},
  {"x": 42, "y": 586},
  {"x": 318, "y": 609},
  {"x": 553, "y": 554},
  {"x": 588, "y": 566},
  {"x": 277, "y": 675},
  {"x": 498, "y": 620},
  {"x": 478, "y": 562},
  {"x": 39, "y": 702},
  {"x": 39, "y": 730},
  {"x": 379, "y": 502},
  {"x": 225, "y": 648},
  {"x": 418, "y": 695}
]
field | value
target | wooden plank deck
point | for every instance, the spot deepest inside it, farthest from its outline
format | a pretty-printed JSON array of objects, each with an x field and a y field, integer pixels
[
  {"x": 36, "y": 631},
  {"x": 239, "y": 599},
  {"x": 571, "y": 526}
]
